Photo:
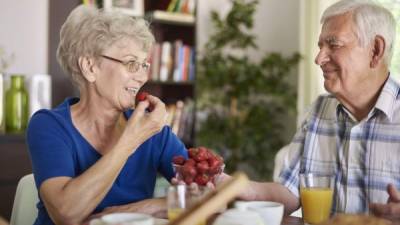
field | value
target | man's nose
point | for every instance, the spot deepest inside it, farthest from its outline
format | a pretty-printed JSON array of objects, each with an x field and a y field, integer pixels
[{"x": 322, "y": 57}]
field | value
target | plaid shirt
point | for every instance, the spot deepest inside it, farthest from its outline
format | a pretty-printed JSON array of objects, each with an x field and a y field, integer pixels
[{"x": 363, "y": 155}]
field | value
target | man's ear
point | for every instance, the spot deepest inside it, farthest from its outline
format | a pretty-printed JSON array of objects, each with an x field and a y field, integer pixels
[
  {"x": 378, "y": 50},
  {"x": 87, "y": 66}
]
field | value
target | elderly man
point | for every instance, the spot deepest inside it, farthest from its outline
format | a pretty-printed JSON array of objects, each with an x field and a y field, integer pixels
[{"x": 353, "y": 132}]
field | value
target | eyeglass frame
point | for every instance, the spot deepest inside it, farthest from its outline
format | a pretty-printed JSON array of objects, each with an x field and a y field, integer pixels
[{"x": 136, "y": 65}]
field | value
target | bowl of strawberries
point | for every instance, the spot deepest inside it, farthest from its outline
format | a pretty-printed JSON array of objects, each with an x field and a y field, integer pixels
[{"x": 202, "y": 166}]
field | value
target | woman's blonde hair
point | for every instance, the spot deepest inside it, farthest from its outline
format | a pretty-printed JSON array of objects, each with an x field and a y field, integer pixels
[{"x": 88, "y": 31}]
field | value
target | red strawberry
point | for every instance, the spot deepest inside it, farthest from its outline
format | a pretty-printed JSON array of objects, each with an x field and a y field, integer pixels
[
  {"x": 178, "y": 160},
  {"x": 202, "y": 154},
  {"x": 141, "y": 96},
  {"x": 201, "y": 179},
  {"x": 214, "y": 162},
  {"x": 192, "y": 152},
  {"x": 209, "y": 154},
  {"x": 189, "y": 170},
  {"x": 188, "y": 180},
  {"x": 190, "y": 162},
  {"x": 215, "y": 165},
  {"x": 202, "y": 167},
  {"x": 215, "y": 170}
]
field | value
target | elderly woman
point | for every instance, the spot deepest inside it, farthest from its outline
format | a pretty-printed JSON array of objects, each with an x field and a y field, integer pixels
[{"x": 94, "y": 153}]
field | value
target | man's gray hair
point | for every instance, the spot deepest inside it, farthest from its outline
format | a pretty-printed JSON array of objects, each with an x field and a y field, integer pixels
[
  {"x": 88, "y": 31},
  {"x": 370, "y": 19}
]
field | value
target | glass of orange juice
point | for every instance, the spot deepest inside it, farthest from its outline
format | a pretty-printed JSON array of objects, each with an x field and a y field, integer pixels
[
  {"x": 316, "y": 193},
  {"x": 181, "y": 197}
]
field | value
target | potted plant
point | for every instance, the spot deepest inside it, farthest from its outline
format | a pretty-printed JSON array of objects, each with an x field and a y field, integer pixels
[{"x": 243, "y": 104}]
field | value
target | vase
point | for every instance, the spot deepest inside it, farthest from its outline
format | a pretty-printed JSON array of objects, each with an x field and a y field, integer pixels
[{"x": 17, "y": 109}]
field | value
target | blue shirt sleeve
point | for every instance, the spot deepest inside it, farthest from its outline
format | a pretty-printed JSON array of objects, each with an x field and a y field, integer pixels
[
  {"x": 171, "y": 146},
  {"x": 49, "y": 148}
]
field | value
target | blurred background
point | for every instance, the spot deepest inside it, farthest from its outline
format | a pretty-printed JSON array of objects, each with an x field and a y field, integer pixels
[{"x": 237, "y": 75}]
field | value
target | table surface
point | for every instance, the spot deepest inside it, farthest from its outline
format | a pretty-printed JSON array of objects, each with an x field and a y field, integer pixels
[
  {"x": 291, "y": 220},
  {"x": 287, "y": 220}
]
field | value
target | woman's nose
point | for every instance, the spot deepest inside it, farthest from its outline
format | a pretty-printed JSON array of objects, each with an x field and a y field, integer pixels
[{"x": 141, "y": 76}]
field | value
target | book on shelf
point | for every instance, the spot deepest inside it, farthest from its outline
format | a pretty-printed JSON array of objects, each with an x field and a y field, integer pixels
[
  {"x": 186, "y": 121},
  {"x": 177, "y": 60},
  {"x": 172, "y": 62},
  {"x": 180, "y": 118},
  {"x": 192, "y": 65},
  {"x": 182, "y": 6},
  {"x": 155, "y": 60},
  {"x": 166, "y": 61}
]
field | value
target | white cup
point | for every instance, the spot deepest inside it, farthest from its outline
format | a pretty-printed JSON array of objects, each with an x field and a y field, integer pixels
[
  {"x": 271, "y": 212},
  {"x": 239, "y": 217},
  {"x": 127, "y": 219}
]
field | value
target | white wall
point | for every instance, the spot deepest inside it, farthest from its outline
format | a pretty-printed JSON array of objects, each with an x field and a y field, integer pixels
[
  {"x": 275, "y": 23},
  {"x": 24, "y": 32}
]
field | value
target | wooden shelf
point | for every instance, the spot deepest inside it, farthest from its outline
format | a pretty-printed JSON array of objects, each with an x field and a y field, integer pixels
[
  {"x": 164, "y": 17},
  {"x": 170, "y": 83}
]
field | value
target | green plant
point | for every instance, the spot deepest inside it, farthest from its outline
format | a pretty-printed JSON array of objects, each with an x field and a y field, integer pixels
[{"x": 244, "y": 102}]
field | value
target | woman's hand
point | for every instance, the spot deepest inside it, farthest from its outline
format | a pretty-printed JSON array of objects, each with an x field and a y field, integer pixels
[
  {"x": 391, "y": 210},
  {"x": 143, "y": 124},
  {"x": 156, "y": 207}
]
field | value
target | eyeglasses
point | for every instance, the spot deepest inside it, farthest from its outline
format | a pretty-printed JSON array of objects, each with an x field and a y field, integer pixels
[{"x": 132, "y": 66}]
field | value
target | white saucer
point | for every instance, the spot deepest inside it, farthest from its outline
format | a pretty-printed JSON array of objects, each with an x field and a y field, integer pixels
[{"x": 157, "y": 221}]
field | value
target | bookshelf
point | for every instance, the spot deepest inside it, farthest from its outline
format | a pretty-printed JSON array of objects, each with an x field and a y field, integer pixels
[{"x": 172, "y": 74}]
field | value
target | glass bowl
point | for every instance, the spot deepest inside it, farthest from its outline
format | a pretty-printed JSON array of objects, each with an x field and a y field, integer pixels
[{"x": 198, "y": 173}]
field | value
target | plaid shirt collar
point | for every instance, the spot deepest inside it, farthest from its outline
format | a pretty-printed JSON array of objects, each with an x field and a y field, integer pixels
[{"x": 384, "y": 104}]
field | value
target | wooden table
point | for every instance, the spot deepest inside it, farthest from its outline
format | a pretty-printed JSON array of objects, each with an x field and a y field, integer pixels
[{"x": 291, "y": 220}]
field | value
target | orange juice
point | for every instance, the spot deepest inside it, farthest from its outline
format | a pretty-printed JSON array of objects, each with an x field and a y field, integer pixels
[
  {"x": 316, "y": 204},
  {"x": 174, "y": 213}
]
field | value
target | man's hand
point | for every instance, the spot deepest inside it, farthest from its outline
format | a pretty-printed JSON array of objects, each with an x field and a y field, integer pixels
[{"x": 391, "y": 210}]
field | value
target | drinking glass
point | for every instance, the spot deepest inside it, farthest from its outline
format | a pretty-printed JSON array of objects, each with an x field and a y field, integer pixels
[
  {"x": 181, "y": 197},
  {"x": 316, "y": 193}
]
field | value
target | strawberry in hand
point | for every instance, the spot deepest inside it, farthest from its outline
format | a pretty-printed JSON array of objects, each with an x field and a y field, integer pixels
[{"x": 142, "y": 96}]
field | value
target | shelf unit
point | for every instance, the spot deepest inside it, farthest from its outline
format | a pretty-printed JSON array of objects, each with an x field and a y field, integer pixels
[{"x": 169, "y": 27}]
